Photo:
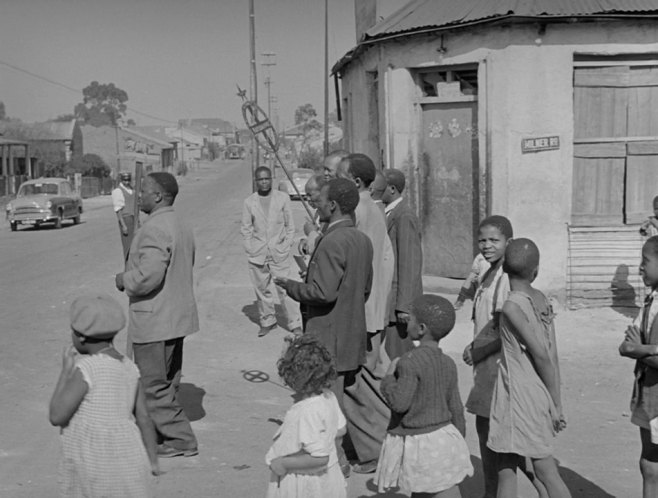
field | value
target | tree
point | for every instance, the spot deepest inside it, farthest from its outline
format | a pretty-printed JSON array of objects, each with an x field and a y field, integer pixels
[
  {"x": 64, "y": 117},
  {"x": 89, "y": 165},
  {"x": 102, "y": 104},
  {"x": 304, "y": 114},
  {"x": 2, "y": 111}
]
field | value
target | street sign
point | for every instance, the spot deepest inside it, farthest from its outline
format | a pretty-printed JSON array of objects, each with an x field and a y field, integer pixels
[{"x": 539, "y": 144}]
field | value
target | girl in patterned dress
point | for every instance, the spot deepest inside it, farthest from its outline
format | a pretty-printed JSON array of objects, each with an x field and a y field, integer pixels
[
  {"x": 526, "y": 411},
  {"x": 303, "y": 457},
  {"x": 424, "y": 452},
  {"x": 108, "y": 439}
]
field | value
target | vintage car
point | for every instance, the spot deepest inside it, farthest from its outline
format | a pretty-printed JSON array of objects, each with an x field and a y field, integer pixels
[
  {"x": 45, "y": 200},
  {"x": 300, "y": 176}
]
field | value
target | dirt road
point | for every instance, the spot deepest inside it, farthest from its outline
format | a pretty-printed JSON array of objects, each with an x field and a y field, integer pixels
[{"x": 231, "y": 390}]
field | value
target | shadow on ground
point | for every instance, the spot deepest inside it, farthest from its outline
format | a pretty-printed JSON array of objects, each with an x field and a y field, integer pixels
[{"x": 191, "y": 399}]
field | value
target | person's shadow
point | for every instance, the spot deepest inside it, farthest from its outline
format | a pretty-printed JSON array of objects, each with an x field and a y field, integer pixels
[
  {"x": 191, "y": 399},
  {"x": 623, "y": 293},
  {"x": 251, "y": 312},
  {"x": 473, "y": 486}
]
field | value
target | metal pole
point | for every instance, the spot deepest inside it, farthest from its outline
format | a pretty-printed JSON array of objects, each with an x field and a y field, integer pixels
[
  {"x": 253, "y": 83},
  {"x": 268, "y": 83},
  {"x": 326, "y": 77}
]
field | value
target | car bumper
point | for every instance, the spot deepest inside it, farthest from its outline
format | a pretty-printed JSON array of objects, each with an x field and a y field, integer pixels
[{"x": 31, "y": 218}]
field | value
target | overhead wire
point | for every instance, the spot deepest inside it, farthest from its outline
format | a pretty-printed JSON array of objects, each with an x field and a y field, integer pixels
[{"x": 76, "y": 90}]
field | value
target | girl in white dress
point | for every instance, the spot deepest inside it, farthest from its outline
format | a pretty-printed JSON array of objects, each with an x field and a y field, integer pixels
[
  {"x": 303, "y": 457},
  {"x": 108, "y": 439}
]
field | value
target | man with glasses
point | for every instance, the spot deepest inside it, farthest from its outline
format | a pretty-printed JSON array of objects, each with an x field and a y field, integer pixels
[{"x": 268, "y": 231}]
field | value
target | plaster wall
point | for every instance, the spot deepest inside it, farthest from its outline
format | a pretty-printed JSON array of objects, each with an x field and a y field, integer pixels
[{"x": 525, "y": 91}]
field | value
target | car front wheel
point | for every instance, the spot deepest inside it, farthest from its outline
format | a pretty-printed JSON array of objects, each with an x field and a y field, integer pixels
[{"x": 14, "y": 226}]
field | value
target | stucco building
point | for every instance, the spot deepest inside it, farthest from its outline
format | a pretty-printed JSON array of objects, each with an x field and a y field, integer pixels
[{"x": 543, "y": 111}]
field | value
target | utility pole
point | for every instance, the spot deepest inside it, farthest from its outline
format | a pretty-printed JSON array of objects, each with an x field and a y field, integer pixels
[
  {"x": 326, "y": 78},
  {"x": 253, "y": 83},
  {"x": 269, "y": 62}
]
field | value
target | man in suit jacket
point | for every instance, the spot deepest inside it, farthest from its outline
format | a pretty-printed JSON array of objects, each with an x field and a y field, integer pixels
[
  {"x": 162, "y": 309},
  {"x": 338, "y": 281},
  {"x": 268, "y": 231},
  {"x": 365, "y": 409},
  {"x": 404, "y": 232}
]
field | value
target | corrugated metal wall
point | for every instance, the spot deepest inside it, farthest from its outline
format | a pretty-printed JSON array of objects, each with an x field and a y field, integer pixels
[{"x": 603, "y": 267}]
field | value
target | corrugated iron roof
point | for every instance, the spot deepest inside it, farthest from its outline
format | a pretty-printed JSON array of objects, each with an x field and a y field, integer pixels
[{"x": 422, "y": 14}]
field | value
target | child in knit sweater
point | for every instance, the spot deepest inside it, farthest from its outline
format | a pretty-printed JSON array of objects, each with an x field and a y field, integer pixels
[{"x": 424, "y": 453}]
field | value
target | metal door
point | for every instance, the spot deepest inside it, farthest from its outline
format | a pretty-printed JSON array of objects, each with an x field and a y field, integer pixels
[{"x": 449, "y": 187}]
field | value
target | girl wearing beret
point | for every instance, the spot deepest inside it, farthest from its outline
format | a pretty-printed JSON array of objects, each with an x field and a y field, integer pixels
[{"x": 100, "y": 408}]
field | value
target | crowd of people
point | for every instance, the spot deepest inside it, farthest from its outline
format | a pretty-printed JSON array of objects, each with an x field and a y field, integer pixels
[{"x": 373, "y": 391}]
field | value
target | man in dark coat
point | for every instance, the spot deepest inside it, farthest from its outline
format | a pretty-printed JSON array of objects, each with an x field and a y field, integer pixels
[
  {"x": 404, "y": 231},
  {"x": 338, "y": 280}
]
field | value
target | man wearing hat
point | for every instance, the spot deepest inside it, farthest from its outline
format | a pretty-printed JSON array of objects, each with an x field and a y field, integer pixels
[
  {"x": 162, "y": 310},
  {"x": 123, "y": 198}
]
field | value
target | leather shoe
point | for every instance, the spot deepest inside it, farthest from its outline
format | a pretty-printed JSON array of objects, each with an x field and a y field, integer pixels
[
  {"x": 166, "y": 451},
  {"x": 365, "y": 467},
  {"x": 266, "y": 330}
]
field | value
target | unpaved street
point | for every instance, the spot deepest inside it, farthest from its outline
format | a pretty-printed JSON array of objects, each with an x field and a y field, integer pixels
[{"x": 233, "y": 404}]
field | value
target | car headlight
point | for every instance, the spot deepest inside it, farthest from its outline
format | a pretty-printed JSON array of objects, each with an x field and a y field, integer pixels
[{"x": 49, "y": 204}]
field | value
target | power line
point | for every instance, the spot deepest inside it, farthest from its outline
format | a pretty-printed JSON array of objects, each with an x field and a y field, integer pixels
[{"x": 76, "y": 90}]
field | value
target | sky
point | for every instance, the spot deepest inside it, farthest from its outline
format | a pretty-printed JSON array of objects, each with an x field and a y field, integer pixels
[{"x": 175, "y": 58}]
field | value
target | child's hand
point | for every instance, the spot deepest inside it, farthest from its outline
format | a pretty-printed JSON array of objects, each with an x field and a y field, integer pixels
[
  {"x": 559, "y": 422},
  {"x": 277, "y": 467},
  {"x": 468, "y": 355},
  {"x": 633, "y": 334},
  {"x": 68, "y": 359},
  {"x": 393, "y": 366}
]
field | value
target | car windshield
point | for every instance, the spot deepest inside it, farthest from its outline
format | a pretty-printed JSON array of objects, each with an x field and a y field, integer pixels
[{"x": 37, "y": 188}]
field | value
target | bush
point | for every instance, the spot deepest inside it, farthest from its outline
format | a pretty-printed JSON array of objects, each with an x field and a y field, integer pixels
[
  {"x": 88, "y": 165},
  {"x": 311, "y": 159}
]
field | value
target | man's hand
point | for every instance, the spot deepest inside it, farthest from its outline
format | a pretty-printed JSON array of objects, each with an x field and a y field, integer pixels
[
  {"x": 118, "y": 281},
  {"x": 124, "y": 229},
  {"x": 468, "y": 355},
  {"x": 402, "y": 317},
  {"x": 281, "y": 281},
  {"x": 309, "y": 227}
]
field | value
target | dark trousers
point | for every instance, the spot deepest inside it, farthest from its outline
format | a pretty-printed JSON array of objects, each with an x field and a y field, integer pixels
[
  {"x": 365, "y": 409},
  {"x": 397, "y": 340},
  {"x": 126, "y": 240},
  {"x": 160, "y": 365}
]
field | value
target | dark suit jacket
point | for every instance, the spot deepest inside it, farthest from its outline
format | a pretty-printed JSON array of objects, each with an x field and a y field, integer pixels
[
  {"x": 335, "y": 291},
  {"x": 404, "y": 231}
]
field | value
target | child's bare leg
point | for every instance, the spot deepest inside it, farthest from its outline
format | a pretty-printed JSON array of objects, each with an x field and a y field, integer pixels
[
  {"x": 447, "y": 493},
  {"x": 547, "y": 473},
  {"x": 489, "y": 458},
  {"x": 649, "y": 465},
  {"x": 525, "y": 465},
  {"x": 507, "y": 465}
]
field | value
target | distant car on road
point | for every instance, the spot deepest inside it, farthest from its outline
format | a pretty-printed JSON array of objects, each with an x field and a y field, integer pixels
[
  {"x": 300, "y": 176},
  {"x": 235, "y": 151},
  {"x": 44, "y": 200}
]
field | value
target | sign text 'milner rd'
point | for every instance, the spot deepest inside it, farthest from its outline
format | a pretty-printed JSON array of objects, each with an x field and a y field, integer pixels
[{"x": 539, "y": 144}]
